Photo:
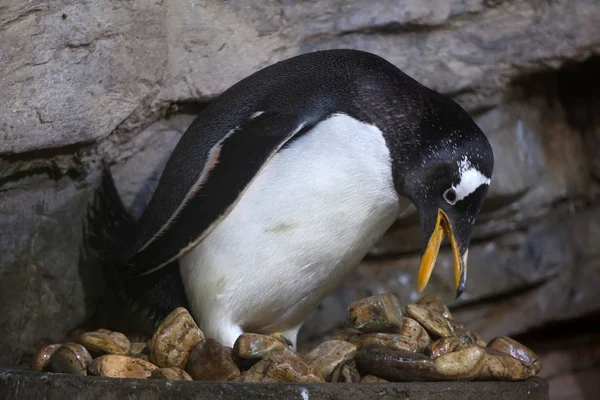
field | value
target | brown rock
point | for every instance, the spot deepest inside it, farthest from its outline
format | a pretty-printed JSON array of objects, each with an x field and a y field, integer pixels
[
  {"x": 256, "y": 373},
  {"x": 253, "y": 346},
  {"x": 506, "y": 345},
  {"x": 74, "y": 335},
  {"x": 346, "y": 372},
  {"x": 328, "y": 355},
  {"x": 393, "y": 340},
  {"x": 41, "y": 360},
  {"x": 70, "y": 358},
  {"x": 479, "y": 340},
  {"x": 372, "y": 379},
  {"x": 466, "y": 337},
  {"x": 175, "y": 337},
  {"x": 119, "y": 366},
  {"x": 443, "y": 346},
  {"x": 395, "y": 365},
  {"x": 170, "y": 374},
  {"x": 503, "y": 367},
  {"x": 288, "y": 368},
  {"x": 463, "y": 364},
  {"x": 102, "y": 343},
  {"x": 432, "y": 321},
  {"x": 415, "y": 332},
  {"x": 138, "y": 349},
  {"x": 282, "y": 339},
  {"x": 435, "y": 303},
  {"x": 209, "y": 360},
  {"x": 380, "y": 313}
]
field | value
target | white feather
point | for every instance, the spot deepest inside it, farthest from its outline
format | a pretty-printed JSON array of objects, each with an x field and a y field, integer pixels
[
  {"x": 470, "y": 179},
  {"x": 303, "y": 224}
]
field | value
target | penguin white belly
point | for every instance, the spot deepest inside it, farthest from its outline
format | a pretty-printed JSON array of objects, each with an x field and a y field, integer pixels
[{"x": 305, "y": 221}]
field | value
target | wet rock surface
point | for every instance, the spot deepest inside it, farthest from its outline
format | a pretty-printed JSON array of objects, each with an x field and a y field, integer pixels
[
  {"x": 41, "y": 359},
  {"x": 405, "y": 354},
  {"x": 394, "y": 364},
  {"x": 252, "y": 347},
  {"x": 381, "y": 313},
  {"x": 209, "y": 360},
  {"x": 118, "y": 366},
  {"x": 70, "y": 358},
  {"x": 327, "y": 356},
  {"x": 105, "y": 342},
  {"x": 170, "y": 374},
  {"x": 175, "y": 337}
]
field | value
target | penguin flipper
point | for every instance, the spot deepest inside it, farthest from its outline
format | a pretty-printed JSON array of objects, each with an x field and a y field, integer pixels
[{"x": 236, "y": 161}]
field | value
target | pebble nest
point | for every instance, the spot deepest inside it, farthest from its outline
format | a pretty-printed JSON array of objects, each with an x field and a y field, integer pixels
[{"x": 382, "y": 342}]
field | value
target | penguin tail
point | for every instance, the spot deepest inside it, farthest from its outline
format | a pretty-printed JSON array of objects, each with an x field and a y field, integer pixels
[
  {"x": 128, "y": 304},
  {"x": 106, "y": 222}
]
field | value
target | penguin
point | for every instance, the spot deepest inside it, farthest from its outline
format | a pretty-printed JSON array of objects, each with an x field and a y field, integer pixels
[{"x": 282, "y": 185}]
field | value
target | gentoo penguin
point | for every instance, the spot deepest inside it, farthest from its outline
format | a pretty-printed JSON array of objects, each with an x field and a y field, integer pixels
[{"x": 282, "y": 185}]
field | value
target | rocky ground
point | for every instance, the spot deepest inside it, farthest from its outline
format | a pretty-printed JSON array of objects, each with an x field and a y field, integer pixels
[
  {"x": 119, "y": 82},
  {"x": 379, "y": 344}
]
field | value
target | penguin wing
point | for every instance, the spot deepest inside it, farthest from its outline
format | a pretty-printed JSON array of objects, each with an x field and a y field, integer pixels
[{"x": 231, "y": 165}]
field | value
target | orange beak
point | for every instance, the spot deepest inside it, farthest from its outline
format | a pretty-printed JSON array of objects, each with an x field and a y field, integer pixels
[{"x": 442, "y": 228}]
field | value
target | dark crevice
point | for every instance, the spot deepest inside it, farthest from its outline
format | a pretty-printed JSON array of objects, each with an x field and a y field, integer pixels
[
  {"x": 49, "y": 152},
  {"x": 52, "y": 173}
]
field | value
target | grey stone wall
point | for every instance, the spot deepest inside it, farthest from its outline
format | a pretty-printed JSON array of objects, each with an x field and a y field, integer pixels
[{"x": 119, "y": 81}]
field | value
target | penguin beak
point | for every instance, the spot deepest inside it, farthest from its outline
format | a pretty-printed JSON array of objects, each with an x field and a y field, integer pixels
[{"x": 442, "y": 228}]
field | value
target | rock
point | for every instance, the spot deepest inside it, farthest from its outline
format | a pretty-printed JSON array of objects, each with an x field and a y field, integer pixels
[
  {"x": 391, "y": 340},
  {"x": 415, "y": 332},
  {"x": 346, "y": 372},
  {"x": 254, "y": 347},
  {"x": 503, "y": 367},
  {"x": 256, "y": 373},
  {"x": 443, "y": 346},
  {"x": 282, "y": 339},
  {"x": 509, "y": 346},
  {"x": 432, "y": 321},
  {"x": 70, "y": 358},
  {"x": 138, "y": 349},
  {"x": 395, "y": 365},
  {"x": 119, "y": 366},
  {"x": 105, "y": 343},
  {"x": 209, "y": 360},
  {"x": 41, "y": 360},
  {"x": 380, "y": 313},
  {"x": 138, "y": 338},
  {"x": 74, "y": 335},
  {"x": 170, "y": 374},
  {"x": 372, "y": 379},
  {"x": 287, "y": 368},
  {"x": 175, "y": 337},
  {"x": 464, "y": 335},
  {"x": 328, "y": 355},
  {"x": 463, "y": 364},
  {"x": 435, "y": 303}
]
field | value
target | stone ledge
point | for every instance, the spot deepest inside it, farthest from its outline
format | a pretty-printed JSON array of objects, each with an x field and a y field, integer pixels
[{"x": 22, "y": 384}]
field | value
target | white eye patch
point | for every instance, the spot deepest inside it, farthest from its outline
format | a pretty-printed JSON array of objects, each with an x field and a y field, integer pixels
[{"x": 470, "y": 180}]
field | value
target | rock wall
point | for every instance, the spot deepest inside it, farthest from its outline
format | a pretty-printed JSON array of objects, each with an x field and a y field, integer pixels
[{"x": 86, "y": 82}]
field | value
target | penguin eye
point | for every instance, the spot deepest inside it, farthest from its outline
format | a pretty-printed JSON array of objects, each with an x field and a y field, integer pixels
[{"x": 450, "y": 196}]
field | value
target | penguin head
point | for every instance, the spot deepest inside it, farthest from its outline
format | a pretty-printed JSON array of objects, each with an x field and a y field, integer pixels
[{"x": 447, "y": 177}]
